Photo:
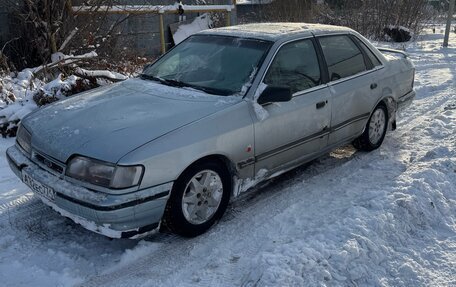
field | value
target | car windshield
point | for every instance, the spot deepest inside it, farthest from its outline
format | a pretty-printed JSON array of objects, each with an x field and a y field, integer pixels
[{"x": 218, "y": 65}]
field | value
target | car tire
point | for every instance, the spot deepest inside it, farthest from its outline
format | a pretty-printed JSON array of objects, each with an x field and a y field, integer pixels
[
  {"x": 375, "y": 131},
  {"x": 198, "y": 199}
]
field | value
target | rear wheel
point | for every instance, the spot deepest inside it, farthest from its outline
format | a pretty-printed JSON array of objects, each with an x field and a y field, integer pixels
[
  {"x": 375, "y": 130},
  {"x": 198, "y": 199}
]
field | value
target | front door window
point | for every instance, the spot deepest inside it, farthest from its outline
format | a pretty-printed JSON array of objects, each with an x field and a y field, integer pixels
[{"x": 295, "y": 66}]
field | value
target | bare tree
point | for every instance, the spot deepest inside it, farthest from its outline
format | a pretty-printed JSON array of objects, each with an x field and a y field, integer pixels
[
  {"x": 45, "y": 27},
  {"x": 371, "y": 17},
  {"x": 288, "y": 11},
  {"x": 41, "y": 25}
]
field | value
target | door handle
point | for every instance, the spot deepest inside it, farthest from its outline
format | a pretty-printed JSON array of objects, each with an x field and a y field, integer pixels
[
  {"x": 373, "y": 86},
  {"x": 320, "y": 105}
]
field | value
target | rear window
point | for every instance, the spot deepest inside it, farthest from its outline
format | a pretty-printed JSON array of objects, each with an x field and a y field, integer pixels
[
  {"x": 343, "y": 57},
  {"x": 374, "y": 60}
]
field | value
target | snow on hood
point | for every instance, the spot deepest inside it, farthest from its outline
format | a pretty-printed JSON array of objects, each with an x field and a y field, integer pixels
[{"x": 111, "y": 121}]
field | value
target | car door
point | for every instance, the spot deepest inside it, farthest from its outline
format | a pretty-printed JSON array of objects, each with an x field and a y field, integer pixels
[
  {"x": 376, "y": 72},
  {"x": 350, "y": 84},
  {"x": 298, "y": 129}
]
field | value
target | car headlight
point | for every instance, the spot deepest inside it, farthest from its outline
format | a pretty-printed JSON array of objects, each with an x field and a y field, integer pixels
[
  {"x": 104, "y": 174},
  {"x": 24, "y": 139}
]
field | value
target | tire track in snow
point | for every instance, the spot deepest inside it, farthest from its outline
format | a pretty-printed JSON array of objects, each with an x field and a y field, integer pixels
[{"x": 16, "y": 205}]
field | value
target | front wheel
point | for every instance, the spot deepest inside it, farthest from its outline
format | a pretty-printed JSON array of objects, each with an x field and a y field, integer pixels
[
  {"x": 199, "y": 198},
  {"x": 375, "y": 131}
]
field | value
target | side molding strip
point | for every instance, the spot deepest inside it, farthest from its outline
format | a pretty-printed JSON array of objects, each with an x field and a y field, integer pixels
[{"x": 283, "y": 148}]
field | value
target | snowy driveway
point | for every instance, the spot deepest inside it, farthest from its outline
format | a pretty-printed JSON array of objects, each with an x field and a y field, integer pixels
[{"x": 384, "y": 218}]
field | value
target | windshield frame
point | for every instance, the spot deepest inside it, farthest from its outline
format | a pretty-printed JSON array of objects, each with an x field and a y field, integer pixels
[{"x": 254, "y": 73}]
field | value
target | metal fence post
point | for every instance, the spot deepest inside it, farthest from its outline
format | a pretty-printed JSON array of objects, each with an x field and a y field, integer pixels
[
  {"x": 162, "y": 33},
  {"x": 448, "y": 24},
  {"x": 228, "y": 18}
]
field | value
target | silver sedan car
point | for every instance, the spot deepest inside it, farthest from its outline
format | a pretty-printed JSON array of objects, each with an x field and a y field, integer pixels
[{"x": 225, "y": 109}]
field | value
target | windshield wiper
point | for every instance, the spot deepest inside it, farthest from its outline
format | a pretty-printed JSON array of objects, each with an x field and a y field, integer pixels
[
  {"x": 149, "y": 77},
  {"x": 176, "y": 83},
  {"x": 212, "y": 91},
  {"x": 167, "y": 82}
]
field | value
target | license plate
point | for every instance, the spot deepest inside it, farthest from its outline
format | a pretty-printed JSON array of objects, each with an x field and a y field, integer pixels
[{"x": 38, "y": 187}]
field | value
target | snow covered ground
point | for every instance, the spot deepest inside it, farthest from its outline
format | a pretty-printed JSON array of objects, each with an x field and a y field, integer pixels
[{"x": 386, "y": 218}]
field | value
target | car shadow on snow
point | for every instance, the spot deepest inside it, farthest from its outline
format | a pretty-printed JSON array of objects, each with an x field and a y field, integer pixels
[{"x": 269, "y": 188}]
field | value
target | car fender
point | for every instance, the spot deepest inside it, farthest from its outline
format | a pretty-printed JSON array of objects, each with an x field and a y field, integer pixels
[{"x": 228, "y": 133}]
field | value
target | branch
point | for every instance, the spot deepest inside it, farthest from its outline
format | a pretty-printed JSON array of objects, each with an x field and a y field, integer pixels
[
  {"x": 68, "y": 39},
  {"x": 6, "y": 44},
  {"x": 112, "y": 76},
  {"x": 64, "y": 61}
]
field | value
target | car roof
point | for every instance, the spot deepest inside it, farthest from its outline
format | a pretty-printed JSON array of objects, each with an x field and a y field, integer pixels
[{"x": 275, "y": 31}]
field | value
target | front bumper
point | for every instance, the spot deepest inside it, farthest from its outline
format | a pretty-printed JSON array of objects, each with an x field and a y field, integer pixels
[{"x": 130, "y": 215}]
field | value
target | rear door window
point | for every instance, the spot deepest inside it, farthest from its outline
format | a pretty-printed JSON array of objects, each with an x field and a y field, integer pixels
[{"x": 342, "y": 56}]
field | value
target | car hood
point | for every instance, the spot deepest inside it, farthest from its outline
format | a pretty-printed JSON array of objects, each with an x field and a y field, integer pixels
[{"x": 111, "y": 121}]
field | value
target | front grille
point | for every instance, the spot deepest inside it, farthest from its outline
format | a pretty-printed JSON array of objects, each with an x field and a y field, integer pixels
[{"x": 48, "y": 163}]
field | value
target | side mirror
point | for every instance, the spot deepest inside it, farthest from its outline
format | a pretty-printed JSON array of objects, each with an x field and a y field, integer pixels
[{"x": 275, "y": 94}]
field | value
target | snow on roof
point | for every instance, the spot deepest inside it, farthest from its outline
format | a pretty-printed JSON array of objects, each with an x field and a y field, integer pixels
[
  {"x": 273, "y": 31},
  {"x": 253, "y": 2}
]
